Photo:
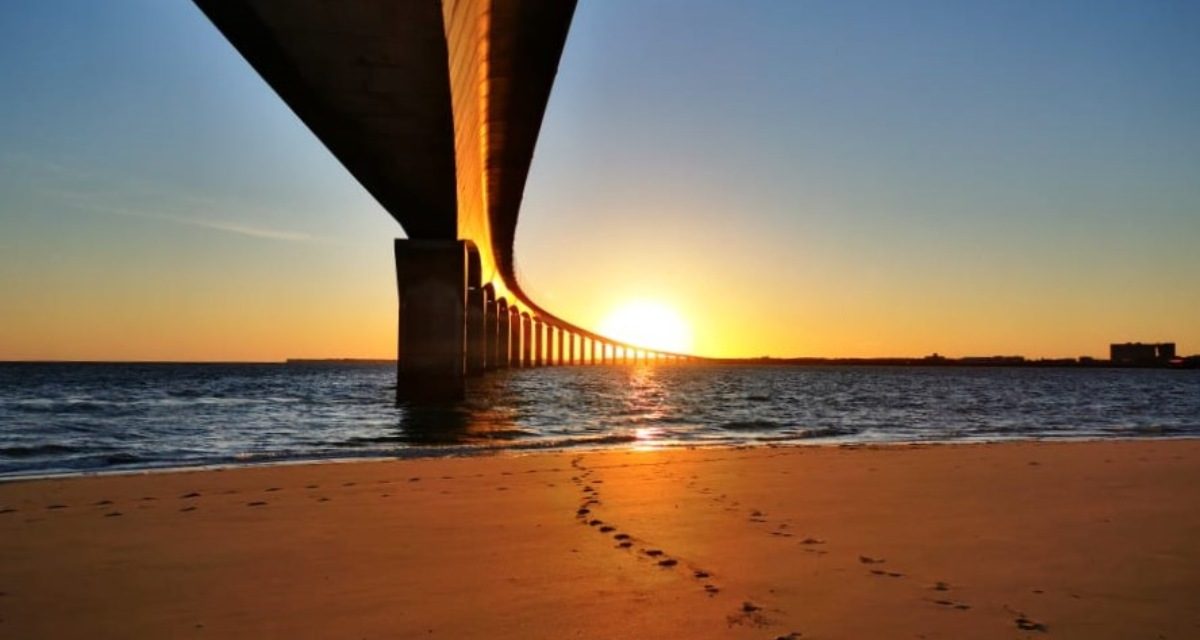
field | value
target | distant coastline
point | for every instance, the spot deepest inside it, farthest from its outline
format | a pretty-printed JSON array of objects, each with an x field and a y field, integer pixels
[
  {"x": 1191, "y": 362},
  {"x": 935, "y": 360}
]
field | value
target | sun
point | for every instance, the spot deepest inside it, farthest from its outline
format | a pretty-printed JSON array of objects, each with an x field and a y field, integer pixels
[{"x": 648, "y": 324}]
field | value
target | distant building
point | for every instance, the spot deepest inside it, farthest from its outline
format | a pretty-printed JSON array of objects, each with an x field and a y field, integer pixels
[{"x": 1138, "y": 353}]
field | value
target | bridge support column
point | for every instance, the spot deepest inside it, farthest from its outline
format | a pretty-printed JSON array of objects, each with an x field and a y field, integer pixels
[
  {"x": 491, "y": 327},
  {"x": 526, "y": 341},
  {"x": 592, "y": 358},
  {"x": 503, "y": 335},
  {"x": 558, "y": 346},
  {"x": 431, "y": 285},
  {"x": 539, "y": 354},
  {"x": 476, "y": 322},
  {"x": 571, "y": 349},
  {"x": 514, "y": 349}
]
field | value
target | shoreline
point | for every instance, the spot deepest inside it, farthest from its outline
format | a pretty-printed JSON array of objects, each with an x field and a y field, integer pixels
[
  {"x": 534, "y": 450},
  {"x": 1021, "y": 539}
]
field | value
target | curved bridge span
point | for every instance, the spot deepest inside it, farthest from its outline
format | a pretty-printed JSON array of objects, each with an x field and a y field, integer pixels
[{"x": 434, "y": 106}]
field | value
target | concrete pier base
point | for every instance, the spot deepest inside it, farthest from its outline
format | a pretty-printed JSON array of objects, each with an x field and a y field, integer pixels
[
  {"x": 476, "y": 318},
  {"x": 539, "y": 343},
  {"x": 526, "y": 341},
  {"x": 503, "y": 334},
  {"x": 491, "y": 328},
  {"x": 431, "y": 285},
  {"x": 514, "y": 349}
]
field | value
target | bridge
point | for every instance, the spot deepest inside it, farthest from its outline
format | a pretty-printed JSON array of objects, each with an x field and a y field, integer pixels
[{"x": 434, "y": 106}]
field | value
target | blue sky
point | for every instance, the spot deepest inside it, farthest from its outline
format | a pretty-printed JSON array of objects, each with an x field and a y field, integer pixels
[{"x": 798, "y": 178}]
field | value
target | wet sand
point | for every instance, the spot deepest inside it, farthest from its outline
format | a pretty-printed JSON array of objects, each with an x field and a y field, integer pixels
[{"x": 1065, "y": 540}]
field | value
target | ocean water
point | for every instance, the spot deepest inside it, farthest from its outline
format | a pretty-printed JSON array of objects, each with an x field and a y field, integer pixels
[{"x": 57, "y": 418}]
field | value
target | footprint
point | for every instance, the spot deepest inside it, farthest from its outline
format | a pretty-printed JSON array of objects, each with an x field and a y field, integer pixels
[
  {"x": 188, "y": 509},
  {"x": 621, "y": 536},
  {"x": 56, "y": 506},
  {"x": 940, "y": 586},
  {"x": 595, "y": 523},
  {"x": 189, "y": 495},
  {"x": 700, "y": 575},
  {"x": 653, "y": 553},
  {"x": 256, "y": 503},
  {"x": 1025, "y": 624},
  {"x": 312, "y": 486},
  {"x": 624, "y": 544},
  {"x": 870, "y": 560},
  {"x": 7, "y": 510},
  {"x": 271, "y": 489},
  {"x": 582, "y": 511},
  {"x": 102, "y": 503},
  {"x": 711, "y": 589},
  {"x": 113, "y": 514},
  {"x": 607, "y": 529},
  {"x": 668, "y": 562}
]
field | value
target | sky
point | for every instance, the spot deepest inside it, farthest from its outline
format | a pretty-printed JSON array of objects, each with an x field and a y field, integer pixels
[{"x": 793, "y": 178}]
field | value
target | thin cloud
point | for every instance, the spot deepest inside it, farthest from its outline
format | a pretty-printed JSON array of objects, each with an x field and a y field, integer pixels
[
  {"x": 88, "y": 201},
  {"x": 236, "y": 228}
]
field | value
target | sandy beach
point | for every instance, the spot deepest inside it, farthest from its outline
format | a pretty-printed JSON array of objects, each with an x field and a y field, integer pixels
[{"x": 1067, "y": 540}]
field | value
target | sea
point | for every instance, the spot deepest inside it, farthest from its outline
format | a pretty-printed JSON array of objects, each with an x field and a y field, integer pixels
[{"x": 59, "y": 418}]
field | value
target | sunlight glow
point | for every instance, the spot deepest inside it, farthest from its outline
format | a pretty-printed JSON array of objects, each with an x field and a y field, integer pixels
[{"x": 649, "y": 324}]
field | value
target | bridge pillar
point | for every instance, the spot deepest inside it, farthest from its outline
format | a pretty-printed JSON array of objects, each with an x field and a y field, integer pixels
[
  {"x": 559, "y": 351},
  {"x": 571, "y": 348},
  {"x": 514, "y": 349},
  {"x": 539, "y": 355},
  {"x": 476, "y": 320},
  {"x": 491, "y": 327},
  {"x": 526, "y": 341},
  {"x": 503, "y": 334},
  {"x": 592, "y": 343},
  {"x": 431, "y": 286}
]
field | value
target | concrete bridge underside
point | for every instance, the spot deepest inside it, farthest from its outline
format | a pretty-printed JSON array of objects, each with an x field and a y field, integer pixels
[{"x": 434, "y": 106}]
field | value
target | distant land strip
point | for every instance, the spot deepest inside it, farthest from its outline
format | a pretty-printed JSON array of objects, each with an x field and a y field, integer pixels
[{"x": 935, "y": 360}]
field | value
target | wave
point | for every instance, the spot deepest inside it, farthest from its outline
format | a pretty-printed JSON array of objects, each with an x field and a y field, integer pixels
[
  {"x": 48, "y": 449},
  {"x": 752, "y": 425}
]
